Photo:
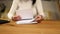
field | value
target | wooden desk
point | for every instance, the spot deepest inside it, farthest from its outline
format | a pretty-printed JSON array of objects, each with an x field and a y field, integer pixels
[{"x": 45, "y": 27}]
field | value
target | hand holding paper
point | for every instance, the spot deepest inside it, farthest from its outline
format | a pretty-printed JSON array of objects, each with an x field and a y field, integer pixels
[{"x": 26, "y": 16}]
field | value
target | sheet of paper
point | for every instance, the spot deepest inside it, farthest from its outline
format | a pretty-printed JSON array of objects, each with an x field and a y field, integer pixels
[
  {"x": 25, "y": 22},
  {"x": 25, "y": 14}
]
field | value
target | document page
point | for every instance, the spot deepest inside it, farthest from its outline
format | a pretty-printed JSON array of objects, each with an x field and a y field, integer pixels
[{"x": 26, "y": 15}]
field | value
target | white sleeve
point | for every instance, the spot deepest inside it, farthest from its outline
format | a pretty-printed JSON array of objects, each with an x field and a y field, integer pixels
[
  {"x": 13, "y": 9},
  {"x": 39, "y": 8}
]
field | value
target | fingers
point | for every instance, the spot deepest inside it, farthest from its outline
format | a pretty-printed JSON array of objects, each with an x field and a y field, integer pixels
[
  {"x": 16, "y": 18},
  {"x": 38, "y": 18}
]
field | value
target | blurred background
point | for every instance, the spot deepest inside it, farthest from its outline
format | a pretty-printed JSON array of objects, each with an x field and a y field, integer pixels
[
  {"x": 7, "y": 4},
  {"x": 51, "y": 8}
]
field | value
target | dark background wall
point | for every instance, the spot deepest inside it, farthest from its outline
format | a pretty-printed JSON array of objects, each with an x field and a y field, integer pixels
[{"x": 8, "y": 4}]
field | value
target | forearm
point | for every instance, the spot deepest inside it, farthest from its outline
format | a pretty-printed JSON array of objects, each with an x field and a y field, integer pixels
[
  {"x": 39, "y": 8},
  {"x": 12, "y": 10}
]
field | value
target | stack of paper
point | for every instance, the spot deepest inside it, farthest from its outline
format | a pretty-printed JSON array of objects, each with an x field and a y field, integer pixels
[{"x": 31, "y": 21}]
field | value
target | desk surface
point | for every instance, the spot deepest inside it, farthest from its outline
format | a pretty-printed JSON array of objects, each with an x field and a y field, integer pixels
[{"x": 45, "y": 27}]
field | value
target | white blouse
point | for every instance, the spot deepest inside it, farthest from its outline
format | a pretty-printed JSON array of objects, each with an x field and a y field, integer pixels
[
  {"x": 17, "y": 6},
  {"x": 25, "y": 10},
  {"x": 25, "y": 5}
]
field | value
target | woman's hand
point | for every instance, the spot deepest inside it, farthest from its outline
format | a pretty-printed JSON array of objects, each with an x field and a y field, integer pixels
[
  {"x": 38, "y": 18},
  {"x": 16, "y": 18}
]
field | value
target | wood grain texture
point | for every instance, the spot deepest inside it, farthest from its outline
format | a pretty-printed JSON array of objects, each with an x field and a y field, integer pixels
[{"x": 45, "y": 27}]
